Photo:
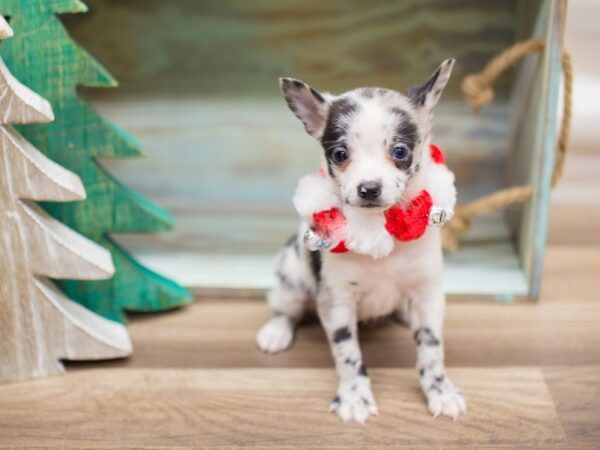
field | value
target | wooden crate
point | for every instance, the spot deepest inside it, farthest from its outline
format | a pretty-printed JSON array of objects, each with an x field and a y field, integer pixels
[{"x": 199, "y": 89}]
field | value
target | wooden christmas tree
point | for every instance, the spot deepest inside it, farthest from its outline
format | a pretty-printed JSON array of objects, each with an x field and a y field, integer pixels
[
  {"x": 39, "y": 326},
  {"x": 45, "y": 58}
]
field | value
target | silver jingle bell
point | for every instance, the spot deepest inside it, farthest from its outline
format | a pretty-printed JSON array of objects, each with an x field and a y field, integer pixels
[
  {"x": 437, "y": 216},
  {"x": 313, "y": 242}
]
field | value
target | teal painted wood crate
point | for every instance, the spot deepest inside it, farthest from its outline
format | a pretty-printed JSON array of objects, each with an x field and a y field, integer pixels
[{"x": 199, "y": 89}]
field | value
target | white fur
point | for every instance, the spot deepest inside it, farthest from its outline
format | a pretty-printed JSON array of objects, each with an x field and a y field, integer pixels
[
  {"x": 315, "y": 193},
  {"x": 353, "y": 287},
  {"x": 365, "y": 233}
]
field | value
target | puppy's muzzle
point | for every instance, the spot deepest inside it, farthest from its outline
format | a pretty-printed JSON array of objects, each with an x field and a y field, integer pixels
[{"x": 369, "y": 190}]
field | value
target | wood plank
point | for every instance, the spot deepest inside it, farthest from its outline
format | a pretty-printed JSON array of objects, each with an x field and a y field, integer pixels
[
  {"x": 253, "y": 408},
  {"x": 571, "y": 275},
  {"x": 233, "y": 47},
  {"x": 476, "y": 269},
  {"x": 534, "y": 123},
  {"x": 575, "y": 391},
  {"x": 574, "y": 225},
  {"x": 220, "y": 333}
]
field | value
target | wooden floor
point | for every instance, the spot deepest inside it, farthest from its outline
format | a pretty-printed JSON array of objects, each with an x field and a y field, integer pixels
[{"x": 196, "y": 380}]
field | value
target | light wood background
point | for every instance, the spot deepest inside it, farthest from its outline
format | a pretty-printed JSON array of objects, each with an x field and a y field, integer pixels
[{"x": 224, "y": 152}]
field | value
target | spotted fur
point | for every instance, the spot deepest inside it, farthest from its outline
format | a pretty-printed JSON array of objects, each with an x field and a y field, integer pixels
[{"x": 352, "y": 287}]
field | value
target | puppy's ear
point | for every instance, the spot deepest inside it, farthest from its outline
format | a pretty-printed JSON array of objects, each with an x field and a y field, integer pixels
[
  {"x": 427, "y": 95},
  {"x": 307, "y": 104}
]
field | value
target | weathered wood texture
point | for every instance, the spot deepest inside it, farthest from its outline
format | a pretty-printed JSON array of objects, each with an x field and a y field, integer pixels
[
  {"x": 534, "y": 131},
  {"x": 227, "y": 169},
  {"x": 224, "y": 151},
  {"x": 39, "y": 325},
  {"x": 166, "y": 395},
  {"x": 235, "y": 47},
  {"x": 272, "y": 408},
  {"x": 55, "y": 66}
]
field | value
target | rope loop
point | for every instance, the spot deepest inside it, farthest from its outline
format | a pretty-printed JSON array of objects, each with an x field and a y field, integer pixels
[{"x": 478, "y": 91}]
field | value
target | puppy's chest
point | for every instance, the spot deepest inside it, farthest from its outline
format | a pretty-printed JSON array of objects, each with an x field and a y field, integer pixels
[{"x": 379, "y": 286}]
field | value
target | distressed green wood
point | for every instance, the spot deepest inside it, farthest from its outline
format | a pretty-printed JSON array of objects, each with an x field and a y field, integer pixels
[
  {"x": 216, "y": 47},
  {"x": 45, "y": 58},
  {"x": 534, "y": 131}
]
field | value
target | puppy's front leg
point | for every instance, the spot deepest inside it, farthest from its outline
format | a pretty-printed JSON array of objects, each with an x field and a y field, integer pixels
[
  {"x": 354, "y": 399},
  {"x": 426, "y": 320}
]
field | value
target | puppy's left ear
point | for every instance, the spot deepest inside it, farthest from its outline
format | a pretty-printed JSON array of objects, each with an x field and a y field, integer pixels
[
  {"x": 307, "y": 104},
  {"x": 427, "y": 95}
]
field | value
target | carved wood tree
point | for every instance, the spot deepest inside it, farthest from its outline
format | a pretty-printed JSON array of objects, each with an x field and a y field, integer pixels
[
  {"x": 39, "y": 326},
  {"x": 44, "y": 57}
]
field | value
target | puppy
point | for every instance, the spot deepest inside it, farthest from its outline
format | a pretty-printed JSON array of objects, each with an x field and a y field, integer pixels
[{"x": 376, "y": 146}]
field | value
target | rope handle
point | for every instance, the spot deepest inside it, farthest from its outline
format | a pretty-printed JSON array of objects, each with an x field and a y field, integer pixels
[{"x": 478, "y": 92}]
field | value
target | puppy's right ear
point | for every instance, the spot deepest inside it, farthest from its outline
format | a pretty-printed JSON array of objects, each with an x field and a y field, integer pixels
[{"x": 307, "y": 104}]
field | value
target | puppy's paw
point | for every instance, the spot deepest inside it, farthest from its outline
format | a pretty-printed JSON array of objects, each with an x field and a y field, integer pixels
[
  {"x": 354, "y": 400},
  {"x": 275, "y": 335},
  {"x": 443, "y": 399}
]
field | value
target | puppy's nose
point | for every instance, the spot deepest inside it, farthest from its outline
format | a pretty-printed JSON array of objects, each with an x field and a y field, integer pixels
[{"x": 369, "y": 190}]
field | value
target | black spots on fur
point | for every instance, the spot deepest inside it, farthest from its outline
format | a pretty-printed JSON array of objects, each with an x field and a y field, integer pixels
[
  {"x": 437, "y": 384},
  {"x": 338, "y": 122},
  {"x": 367, "y": 92},
  {"x": 314, "y": 259},
  {"x": 341, "y": 334},
  {"x": 406, "y": 130},
  {"x": 362, "y": 370},
  {"x": 417, "y": 167},
  {"x": 293, "y": 242},
  {"x": 399, "y": 112},
  {"x": 278, "y": 314},
  {"x": 421, "y": 372},
  {"x": 316, "y": 95},
  {"x": 336, "y": 129},
  {"x": 351, "y": 362},
  {"x": 407, "y": 134},
  {"x": 435, "y": 387},
  {"x": 371, "y": 92},
  {"x": 284, "y": 280},
  {"x": 424, "y": 336},
  {"x": 342, "y": 107},
  {"x": 336, "y": 400},
  {"x": 353, "y": 283},
  {"x": 418, "y": 94}
]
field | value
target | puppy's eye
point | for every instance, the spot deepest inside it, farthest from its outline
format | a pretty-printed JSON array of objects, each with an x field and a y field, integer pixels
[
  {"x": 339, "y": 155},
  {"x": 400, "y": 152}
]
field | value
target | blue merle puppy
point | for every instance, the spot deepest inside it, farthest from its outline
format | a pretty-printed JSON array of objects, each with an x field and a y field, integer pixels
[{"x": 375, "y": 144}]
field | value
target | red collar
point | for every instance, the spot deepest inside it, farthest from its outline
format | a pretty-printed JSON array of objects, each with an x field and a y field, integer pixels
[{"x": 404, "y": 224}]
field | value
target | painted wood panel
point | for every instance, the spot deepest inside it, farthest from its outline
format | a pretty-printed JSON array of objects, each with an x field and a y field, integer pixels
[
  {"x": 534, "y": 130},
  {"x": 223, "y": 150},
  {"x": 228, "y": 47}
]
